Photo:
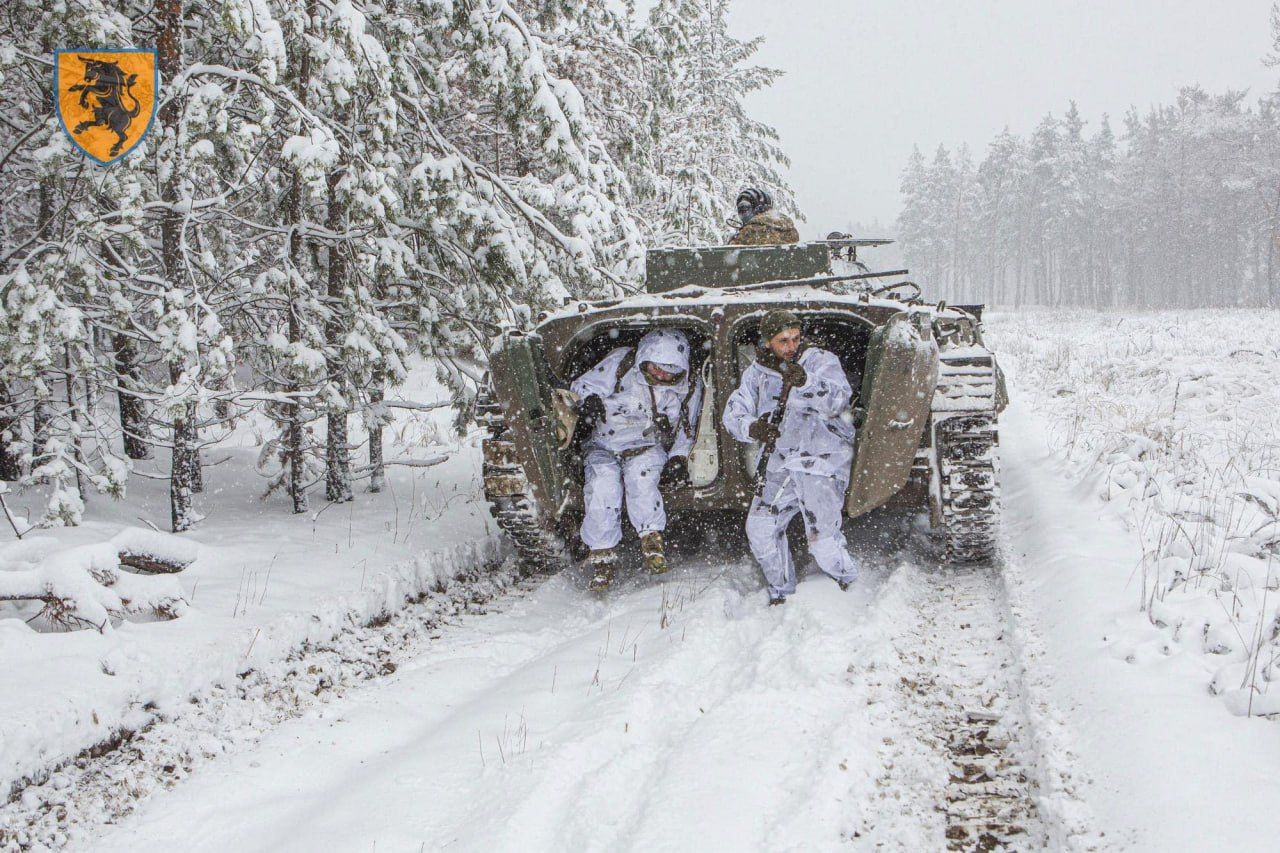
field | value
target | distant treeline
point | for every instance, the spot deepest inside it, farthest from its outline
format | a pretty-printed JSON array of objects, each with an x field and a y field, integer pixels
[{"x": 1183, "y": 210}]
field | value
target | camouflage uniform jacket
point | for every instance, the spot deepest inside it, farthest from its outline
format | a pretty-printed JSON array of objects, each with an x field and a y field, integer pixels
[{"x": 766, "y": 229}]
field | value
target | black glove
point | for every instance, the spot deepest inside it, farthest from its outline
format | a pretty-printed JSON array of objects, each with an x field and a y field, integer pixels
[
  {"x": 591, "y": 409},
  {"x": 675, "y": 474},
  {"x": 793, "y": 374},
  {"x": 575, "y": 468},
  {"x": 763, "y": 431}
]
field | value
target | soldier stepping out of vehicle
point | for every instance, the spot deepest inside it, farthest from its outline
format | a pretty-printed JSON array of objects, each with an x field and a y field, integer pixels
[
  {"x": 761, "y": 225},
  {"x": 639, "y": 410},
  {"x": 808, "y": 435}
]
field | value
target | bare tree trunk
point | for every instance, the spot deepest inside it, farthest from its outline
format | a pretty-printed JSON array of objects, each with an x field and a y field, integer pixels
[
  {"x": 169, "y": 47},
  {"x": 1273, "y": 288},
  {"x": 337, "y": 451},
  {"x": 295, "y": 434},
  {"x": 195, "y": 467},
  {"x": 42, "y": 412},
  {"x": 337, "y": 481},
  {"x": 377, "y": 470},
  {"x": 73, "y": 412},
  {"x": 181, "y": 516},
  {"x": 10, "y": 469},
  {"x": 133, "y": 415},
  {"x": 41, "y": 419},
  {"x": 294, "y": 430}
]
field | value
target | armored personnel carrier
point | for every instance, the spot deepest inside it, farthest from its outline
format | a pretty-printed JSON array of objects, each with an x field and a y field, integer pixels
[{"x": 930, "y": 391}]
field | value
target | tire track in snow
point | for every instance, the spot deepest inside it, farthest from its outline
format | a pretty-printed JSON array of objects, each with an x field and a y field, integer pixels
[
  {"x": 591, "y": 787},
  {"x": 779, "y": 709},
  {"x": 716, "y": 732},
  {"x": 954, "y": 748}
]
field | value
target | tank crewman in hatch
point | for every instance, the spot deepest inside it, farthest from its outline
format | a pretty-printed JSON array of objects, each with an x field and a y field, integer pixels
[
  {"x": 644, "y": 406},
  {"x": 761, "y": 224},
  {"x": 811, "y": 444}
]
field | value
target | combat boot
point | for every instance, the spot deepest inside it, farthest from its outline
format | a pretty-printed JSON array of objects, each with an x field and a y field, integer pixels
[
  {"x": 602, "y": 562},
  {"x": 655, "y": 559}
]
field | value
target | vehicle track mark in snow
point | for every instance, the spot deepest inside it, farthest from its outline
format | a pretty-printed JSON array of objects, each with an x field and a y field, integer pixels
[
  {"x": 102, "y": 787},
  {"x": 679, "y": 713},
  {"x": 953, "y": 748},
  {"x": 718, "y": 721}
]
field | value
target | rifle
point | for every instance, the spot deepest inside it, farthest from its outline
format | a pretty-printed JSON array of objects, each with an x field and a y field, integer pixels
[
  {"x": 573, "y": 455},
  {"x": 766, "y": 452}
]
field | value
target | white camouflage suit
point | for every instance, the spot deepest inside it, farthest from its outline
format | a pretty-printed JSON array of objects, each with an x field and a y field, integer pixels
[
  {"x": 624, "y": 450},
  {"x": 809, "y": 469}
]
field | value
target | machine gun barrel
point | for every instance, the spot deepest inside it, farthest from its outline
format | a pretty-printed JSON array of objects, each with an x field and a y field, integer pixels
[{"x": 816, "y": 281}]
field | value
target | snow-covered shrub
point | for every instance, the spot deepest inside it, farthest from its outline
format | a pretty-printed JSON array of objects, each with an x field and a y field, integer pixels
[{"x": 1175, "y": 417}]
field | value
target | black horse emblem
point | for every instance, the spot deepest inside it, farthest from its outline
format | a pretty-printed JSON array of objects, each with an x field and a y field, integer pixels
[{"x": 109, "y": 87}]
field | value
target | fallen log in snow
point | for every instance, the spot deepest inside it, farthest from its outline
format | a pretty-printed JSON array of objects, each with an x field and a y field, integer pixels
[
  {"x": 152, "y": 552},
  {"x": 84, "y": 587}
]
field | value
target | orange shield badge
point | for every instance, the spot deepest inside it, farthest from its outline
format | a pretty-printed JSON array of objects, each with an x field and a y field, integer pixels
[{"x": 106, "y": 99}]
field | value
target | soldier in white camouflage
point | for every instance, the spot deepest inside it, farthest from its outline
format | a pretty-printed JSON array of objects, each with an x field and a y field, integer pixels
[
  {"x": 809, "y": 446},
  {"x": 761, "y": 224},
  {"x": 641, "y": 405}
]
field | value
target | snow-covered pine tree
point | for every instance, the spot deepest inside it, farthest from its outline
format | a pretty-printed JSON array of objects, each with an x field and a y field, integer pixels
[
  {"x": 707, "y": 146},
  {"x": 912, "y": 224},
  {"x": 510, "y": 196},
  {"x": 353, "y": 89},
  {"x": 49, "y": 277},
  {"x": 1001, "y": 176},
  {"x": 328, "y": 184}
]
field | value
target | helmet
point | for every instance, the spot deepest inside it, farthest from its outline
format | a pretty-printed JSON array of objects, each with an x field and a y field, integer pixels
[{"x": 752, "y": 201}]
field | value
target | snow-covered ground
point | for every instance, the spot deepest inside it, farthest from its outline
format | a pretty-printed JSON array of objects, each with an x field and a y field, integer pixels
[
  {"x": 1173, "y": 420},
  {"x": 1035, "y": 701},
  {"x": 668, "y": 715}
]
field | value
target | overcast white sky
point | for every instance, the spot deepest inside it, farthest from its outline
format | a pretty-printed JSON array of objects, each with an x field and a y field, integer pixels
[{"x": 867, "y": 79}]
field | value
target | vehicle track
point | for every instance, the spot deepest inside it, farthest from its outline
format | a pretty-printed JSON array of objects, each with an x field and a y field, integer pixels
[{"x": 956, "y": 753}]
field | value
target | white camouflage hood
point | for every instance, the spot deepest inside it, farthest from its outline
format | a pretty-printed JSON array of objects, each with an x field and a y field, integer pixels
[{"x": 667, "y": 348}]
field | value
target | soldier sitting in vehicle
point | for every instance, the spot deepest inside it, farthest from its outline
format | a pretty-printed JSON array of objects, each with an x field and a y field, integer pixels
[
  {"x": 639, "y": 408},
  {"x": 761, "y": 224},
  {"x": 794, "y": 400}
]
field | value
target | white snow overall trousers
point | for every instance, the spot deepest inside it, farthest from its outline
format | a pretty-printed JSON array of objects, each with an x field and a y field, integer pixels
[
  {"x": 821, "y": 498},
  {"x": 624, "y": 455},
  {"x": 808, "y": 471},
  {"x": 608, "y": 474}
]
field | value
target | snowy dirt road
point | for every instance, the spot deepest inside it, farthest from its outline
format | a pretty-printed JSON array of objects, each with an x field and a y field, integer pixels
[{"x": 667, "y": 715}]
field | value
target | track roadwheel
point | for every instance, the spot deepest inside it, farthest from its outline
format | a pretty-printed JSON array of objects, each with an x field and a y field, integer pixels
[
  {"x": 966, "y": 491},
  {"x": 510, "y": 496}
]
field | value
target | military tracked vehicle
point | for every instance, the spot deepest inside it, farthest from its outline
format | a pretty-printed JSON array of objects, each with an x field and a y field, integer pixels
[{"x": 929, "y": 391}]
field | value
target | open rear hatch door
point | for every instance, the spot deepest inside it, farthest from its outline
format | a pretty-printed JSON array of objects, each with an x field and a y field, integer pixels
[
  {"x": 897, "y": 389},
  {"x": 523, "y": 381}
]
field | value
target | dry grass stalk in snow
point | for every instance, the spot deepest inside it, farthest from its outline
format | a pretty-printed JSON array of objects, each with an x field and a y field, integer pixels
[{"x": 1175, "y": 418}]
